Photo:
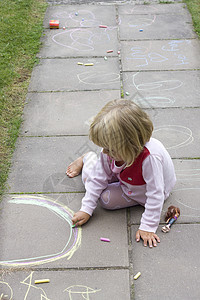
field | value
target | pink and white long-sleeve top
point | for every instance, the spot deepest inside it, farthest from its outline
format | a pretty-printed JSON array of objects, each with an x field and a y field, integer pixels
[{"x": 148, "y": 181}]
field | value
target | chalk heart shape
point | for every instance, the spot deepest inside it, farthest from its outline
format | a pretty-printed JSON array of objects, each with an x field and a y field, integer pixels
[
  {"x": 44, "y": 232},
  {"x": 75, "y": 39}
]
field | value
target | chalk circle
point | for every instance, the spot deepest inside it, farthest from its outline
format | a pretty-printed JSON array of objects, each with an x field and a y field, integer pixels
[
  {"x": 173, "y": 136},
  {"x": 72, "y": 243},
  {"x": 164, "y": 85},
  {"x": 97, "y": 78},
  {"x": 155, "y": 101},
  {"x": 189, "y": 195},
  {"x": 6, "y": 289}
]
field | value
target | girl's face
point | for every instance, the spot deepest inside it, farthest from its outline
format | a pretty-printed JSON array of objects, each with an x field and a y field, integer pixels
[{"x": 115, "y": 156}]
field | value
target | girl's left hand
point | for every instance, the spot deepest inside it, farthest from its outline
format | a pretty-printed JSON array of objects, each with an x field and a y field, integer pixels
[{"x": 148, "y": 237}]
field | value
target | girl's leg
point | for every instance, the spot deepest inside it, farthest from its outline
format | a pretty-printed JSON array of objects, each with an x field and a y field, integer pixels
[
  {"x": 75, "y": 168},
  {"x": 113, "y": 197}
]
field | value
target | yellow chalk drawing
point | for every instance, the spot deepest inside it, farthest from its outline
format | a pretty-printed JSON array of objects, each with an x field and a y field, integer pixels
[
  {"x": 83, "y": 290},
  {"x": 43, "y": 295},
  {"x": 11, "y": 291},
  {"x": 59, "y": 210}
]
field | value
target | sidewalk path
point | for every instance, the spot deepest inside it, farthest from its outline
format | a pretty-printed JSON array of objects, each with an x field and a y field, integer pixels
[{"x": 158, "y": 68}]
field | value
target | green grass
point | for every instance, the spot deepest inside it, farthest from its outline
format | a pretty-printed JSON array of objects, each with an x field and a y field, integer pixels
[
  {"x": 194, "y": 9},
  {"x": 20, "y": 31}
]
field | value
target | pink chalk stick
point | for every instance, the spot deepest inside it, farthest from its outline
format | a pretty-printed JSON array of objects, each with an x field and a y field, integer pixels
[
  {"x": 104, "y": 240},
  {"x": 109, "y": 51},
  {"x": 103, "y": 26}
]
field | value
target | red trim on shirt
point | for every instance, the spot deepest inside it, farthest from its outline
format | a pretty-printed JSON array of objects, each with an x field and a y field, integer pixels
[{"x": 133, "y": 174}]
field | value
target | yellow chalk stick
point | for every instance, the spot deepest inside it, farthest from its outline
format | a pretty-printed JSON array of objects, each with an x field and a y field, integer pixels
[
  {"x": 137, "y": 275},
  {"x": 42, "y": 281},
  {"x": 80, "y": 63},
  {"x": 89, "y": 64}
]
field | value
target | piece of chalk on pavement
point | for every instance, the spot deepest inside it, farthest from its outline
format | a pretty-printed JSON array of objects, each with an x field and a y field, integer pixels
[
  {"x": 79, "y": 63},
  {"x": 103, "y": 26},
  {"x": 89, "y": 64},
  {"x": 137, "y": 275},
  {"x": 42, "y": 281},
  {"x": 109, "y": 51},
  {"x": 104, "y": 240}
]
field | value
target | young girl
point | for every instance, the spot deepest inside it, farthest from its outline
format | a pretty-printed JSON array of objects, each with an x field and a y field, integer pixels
[{"x": 132, "y": 169}]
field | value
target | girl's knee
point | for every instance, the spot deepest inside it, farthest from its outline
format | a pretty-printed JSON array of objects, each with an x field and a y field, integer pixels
[{"x": 105, "y": 200}]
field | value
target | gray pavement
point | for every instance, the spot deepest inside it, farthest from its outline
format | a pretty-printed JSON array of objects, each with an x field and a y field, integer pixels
[{"x": 158, "y": 66}]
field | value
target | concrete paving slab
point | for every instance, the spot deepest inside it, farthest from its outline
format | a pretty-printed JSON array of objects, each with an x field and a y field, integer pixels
[
  {"x": 51, "y": 113},
  {"x": 39, "y": 164},
  {"x": 81, "y": 15},
  {"x": 79, "y": 42},
  {"x": 54, "y": 243},
  {"x": 70, "y": 284},
  {"x": 157, "y": 9},
  {"x": 174, "y": 263},
  {"x": 185, "y": 194},
  {"x": 155, "y": 27},
  {"x": 163, "y": 89},
  {"x": 67, "y": 75},
  {"x": 178, "y": 130},
  {"x": 160, "y": 55}
]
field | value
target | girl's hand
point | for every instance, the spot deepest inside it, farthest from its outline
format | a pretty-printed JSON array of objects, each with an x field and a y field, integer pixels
[
  {"x": 80, "y": 218},
  {"x": 148, "y": 237}
]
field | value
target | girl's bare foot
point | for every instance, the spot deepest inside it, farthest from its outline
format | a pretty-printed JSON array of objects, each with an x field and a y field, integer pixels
[{"x": 74, "y": 169}]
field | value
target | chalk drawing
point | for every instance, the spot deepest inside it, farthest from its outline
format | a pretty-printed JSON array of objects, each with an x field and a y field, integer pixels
[
  {"x": 28, "y": 281},
  {"x": 141, "y": 53},
  {"x": 177, "y": 132},
  {"x": 73, "y": 241},
  {"x": 189, "y": 190},
  {"x": 83, "y": 290},
  {"x": 165, "y": 85},
  {"x": 154, "y": 101},
  {"x": 39, "y": 292},
  {"x": 81, "y": 39},
  {"x": 175, "y": 45},
  {"x": 88, "y": 16},
  {"x": 4, "y": 285},
  {"x": 143, "y": 22},
  {"x": 98, "y": 77}
]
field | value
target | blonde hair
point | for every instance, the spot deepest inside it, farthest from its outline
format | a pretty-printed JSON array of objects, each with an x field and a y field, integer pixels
[{"x": 122, "y": 128}]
